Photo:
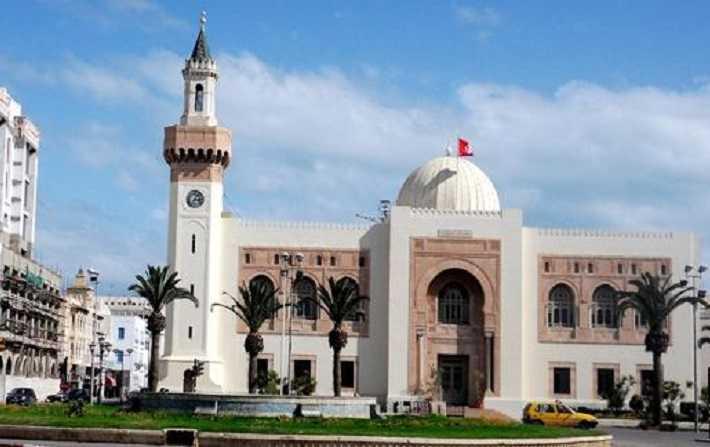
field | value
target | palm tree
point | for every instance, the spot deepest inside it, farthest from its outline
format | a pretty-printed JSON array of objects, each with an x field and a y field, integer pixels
[
  {"x": 160, "y": 287},
  {"x": 340, "y": 301},
  {"x": 258, "y": 304},
  {"x": 654, "y": 299}
]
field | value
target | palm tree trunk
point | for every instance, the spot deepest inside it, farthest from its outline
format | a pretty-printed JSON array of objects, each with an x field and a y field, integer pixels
[
  {"x": 336, "y": 372},
  {"x": 154, "y": 354},
  {"x": 252, "y": 372},
  {"x": 657, "y": 389}
]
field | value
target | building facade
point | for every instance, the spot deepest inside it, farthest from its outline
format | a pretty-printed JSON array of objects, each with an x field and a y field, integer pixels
[
  {"x": 130, "y": 340},
  {"x": 32, "y": 309},
  {"x": 466, "y": 302}
]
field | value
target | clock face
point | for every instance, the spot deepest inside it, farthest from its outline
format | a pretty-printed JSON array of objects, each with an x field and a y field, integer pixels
[{"x": 195, "y": 199}]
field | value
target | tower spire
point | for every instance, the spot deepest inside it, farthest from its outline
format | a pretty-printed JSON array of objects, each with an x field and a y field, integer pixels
[
  {"x": 200, "y": 75},
  {"x": 201, "y": 51}
]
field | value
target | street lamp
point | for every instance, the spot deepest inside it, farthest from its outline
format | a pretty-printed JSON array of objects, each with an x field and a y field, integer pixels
[
  {"x": 103, "y": 347},
  {"x": 129, "y": 351},
  {"x": 290, "y": 265},
  {"x": 92, "y": 349},
  {"x": 693, "y": 277},
  {"x": 119, "y": 353}
]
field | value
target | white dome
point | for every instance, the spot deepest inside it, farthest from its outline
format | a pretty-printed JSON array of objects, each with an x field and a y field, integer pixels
[{"x": 449, "y": 183}]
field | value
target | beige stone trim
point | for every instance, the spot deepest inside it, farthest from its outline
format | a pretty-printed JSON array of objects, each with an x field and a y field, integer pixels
[
  {"x": 572, "y": 379},
  {"x": 595, "y": 379},
  {"x": 209, "y": 144},
  {"x": 347, "y": 264},
  {"x": 196, "y": 172},
  {"x": 475, "y": 264},
  {"x": 583, "y": 284}
]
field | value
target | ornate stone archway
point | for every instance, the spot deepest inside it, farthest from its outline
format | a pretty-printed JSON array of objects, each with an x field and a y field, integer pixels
[{"x": 475, "y": 265}]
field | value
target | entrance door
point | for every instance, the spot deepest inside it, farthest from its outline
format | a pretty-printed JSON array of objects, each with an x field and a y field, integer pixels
[{"x": 453, "y": 370}]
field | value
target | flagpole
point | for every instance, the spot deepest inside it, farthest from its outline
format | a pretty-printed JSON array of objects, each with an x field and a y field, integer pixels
[{"x": 458, "y": 170}]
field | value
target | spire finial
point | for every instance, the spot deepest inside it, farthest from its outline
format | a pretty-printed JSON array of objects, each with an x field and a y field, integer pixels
[{"x": 203, "y": 20}]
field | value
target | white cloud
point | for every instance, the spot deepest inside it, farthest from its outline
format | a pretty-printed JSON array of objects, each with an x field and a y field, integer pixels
[
  {"x": 319, "y": 145},
  {"x": 484, "y": 17}
]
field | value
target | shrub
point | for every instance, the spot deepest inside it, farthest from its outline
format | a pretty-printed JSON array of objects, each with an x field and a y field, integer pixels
[
  {"x": 637, "y": 404},
  {"x": 672, "y": 394},
  {"x": 616, "y": 397},
  {"x": 304, "y": 385},
  {"x": 268, "y": 383}
]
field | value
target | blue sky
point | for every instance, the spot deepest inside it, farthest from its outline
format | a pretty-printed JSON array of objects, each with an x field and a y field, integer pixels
[{"x": 587, "y": 114}]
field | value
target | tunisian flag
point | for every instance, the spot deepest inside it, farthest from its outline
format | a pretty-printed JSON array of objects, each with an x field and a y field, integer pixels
[{"x": 465, "y": 148}]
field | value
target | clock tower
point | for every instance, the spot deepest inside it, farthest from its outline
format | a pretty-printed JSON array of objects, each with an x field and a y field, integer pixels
[{"x": 198, "y": 151}]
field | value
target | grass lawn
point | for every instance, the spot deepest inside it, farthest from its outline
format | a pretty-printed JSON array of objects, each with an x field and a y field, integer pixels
[{"x": 435, "y": 426}]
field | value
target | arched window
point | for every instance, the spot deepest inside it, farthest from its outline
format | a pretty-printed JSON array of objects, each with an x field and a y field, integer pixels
[
  {"x": 604, "y": 307},
  {"x": 453, "y": 304},
  {"x": 8, "y": 366},
  {"x": 199, "y": 97},
  {"x": 353, "y": 316},
  {"x": 305, "y": 288},
  {"x": 263, "y": 279},
  {"x": 560, "y": 308}
]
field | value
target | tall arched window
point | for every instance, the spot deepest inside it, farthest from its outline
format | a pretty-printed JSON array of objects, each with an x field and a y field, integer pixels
[
  {"x": 604, "y": 307},
  {"x": 305, "y": 288},
  {"x": 453, "y": 304},
  {"x": 199, "y": 97},
  {"x": 353, "y": 315},
  {"x": 263, "y": 279},
  {"x": 560, "y": 308}
]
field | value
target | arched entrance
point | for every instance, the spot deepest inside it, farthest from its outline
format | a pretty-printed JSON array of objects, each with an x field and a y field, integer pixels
[
  {"x": 456, "y": 349},
  {"x": 455, "y": 325}
]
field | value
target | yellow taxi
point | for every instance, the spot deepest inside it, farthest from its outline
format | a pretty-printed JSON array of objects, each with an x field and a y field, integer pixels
[{"x": 556, "y": 413}]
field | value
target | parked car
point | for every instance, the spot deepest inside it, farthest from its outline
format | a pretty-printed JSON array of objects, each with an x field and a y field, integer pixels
[
  {"x": 556, "y": 413},
  {"x": 58, "y": 397},
  {"x": 78, "y": 394},
  {"x": 21, "y": 396}
]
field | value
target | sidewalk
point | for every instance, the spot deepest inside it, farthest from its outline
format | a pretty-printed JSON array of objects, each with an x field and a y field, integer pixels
[{"x": 634, "y": 423}]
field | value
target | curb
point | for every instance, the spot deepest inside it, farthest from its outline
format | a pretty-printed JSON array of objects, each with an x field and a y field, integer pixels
[
  {"x": 105, "y": 435},
  {"x": 208, "y": 439}
]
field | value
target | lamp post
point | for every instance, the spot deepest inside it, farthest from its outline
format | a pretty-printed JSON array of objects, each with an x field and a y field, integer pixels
[
  {"x": 698, "y": 275},
  {"x": 92, "y": 349},
  {"x": 129, "y": 351},
  {"x": 103, "y": 347},
  {"x": 290, "y": 265},
  {"x": 119, "y": 353},
  {"x": 93, "y": 278}
]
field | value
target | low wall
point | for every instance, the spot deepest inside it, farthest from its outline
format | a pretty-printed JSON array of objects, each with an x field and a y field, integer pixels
[
  {"x": 264, "y": 406},
  {"x": 157, "y": 437}
]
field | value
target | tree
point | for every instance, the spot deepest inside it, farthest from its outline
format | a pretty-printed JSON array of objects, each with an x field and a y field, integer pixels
[
  {"x": 258, "y": 304},
  {"x": 655, "y": 298},
  {"x": 341, "y": 301},
  {"x": 159, "y": 287}
]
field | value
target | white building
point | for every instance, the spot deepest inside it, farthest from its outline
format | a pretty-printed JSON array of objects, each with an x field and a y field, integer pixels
[
  {"x": 130, "y": 339},
  {"x": 458, "y": 285},
  {"x": 32, "y": 310},
  {"x": 87, "y": 325},
  {"x": 18, "y": 167}
]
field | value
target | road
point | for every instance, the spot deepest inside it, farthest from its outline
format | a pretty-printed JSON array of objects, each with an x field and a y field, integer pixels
[{"x": 629, "y": 437}]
